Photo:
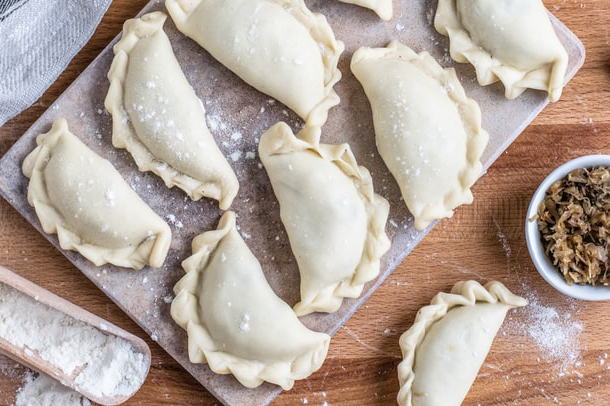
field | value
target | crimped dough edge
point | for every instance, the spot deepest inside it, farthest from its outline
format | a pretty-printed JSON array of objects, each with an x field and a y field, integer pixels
[
  {"x": 463, "y": 293},
  {"x": 250, "y": 373},
  {"x": 123, "y": 133},
  {"x": 490, "y": 69},
  {"x": 469, "y": 112},
  {"x": 383, "y": 8},
  {"x": 279, "y": 140},
  {"x": 152, "y": 251},
  {"x": 320, "y": 30}
]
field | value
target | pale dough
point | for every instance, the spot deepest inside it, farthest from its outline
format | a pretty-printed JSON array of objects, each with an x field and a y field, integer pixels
[
  {"x": 383, "y": 8},
  {"x": 508, "y": 40},
  {"x": 159, "y": 119},
  {"x": 448, "y": 342},
  {"x": 277, "y": 46},
  {"x": 334, "y": 220},
  {"x": 83, "y": 199},
  {"x": 428, "y": 131},
  {"x": 234, "y": 320}
]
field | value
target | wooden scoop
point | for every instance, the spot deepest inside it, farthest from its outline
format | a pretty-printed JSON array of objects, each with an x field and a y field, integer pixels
[{"x": 32, "y": 360}]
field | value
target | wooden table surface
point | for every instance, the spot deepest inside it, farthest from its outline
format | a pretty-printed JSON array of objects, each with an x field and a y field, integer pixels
[{"x": 554, "y": 352}]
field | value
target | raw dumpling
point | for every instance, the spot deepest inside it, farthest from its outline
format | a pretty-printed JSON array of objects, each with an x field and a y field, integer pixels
[
  {"x": 448, "y": 342},
  {"x": 428, "y": 131},
  {"x": 158, "y": 117},
  {"x": 508, "y": 40},
  {"x": 83, "y": 199},
  {"x": 277, "y": 46},
  {"x": 383, "y": 8},
  {"x": 334, "y": 220},
  {"x": 233, "y": 319}
]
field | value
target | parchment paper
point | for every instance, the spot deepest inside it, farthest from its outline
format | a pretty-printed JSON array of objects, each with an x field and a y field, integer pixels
[{"x": 237, "y": 115}]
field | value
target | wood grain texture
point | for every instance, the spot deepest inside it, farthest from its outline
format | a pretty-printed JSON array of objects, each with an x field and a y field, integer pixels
[{"x": 483, "y": 241}]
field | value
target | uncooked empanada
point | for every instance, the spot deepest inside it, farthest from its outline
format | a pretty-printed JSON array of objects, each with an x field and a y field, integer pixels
[
  {"x": 428, "y": 131},
  {"x": 383, "y": 8},
  {"x": 334, "y": 219},
  {"x": 277, "y": 46},
  {"x": 448, "y": 342},
  {"x": 158, "y": 117},
  {"x": 81, "y": 197},
  {"x": 508, "y": 40},
  {"x": 234, "y": 320}
]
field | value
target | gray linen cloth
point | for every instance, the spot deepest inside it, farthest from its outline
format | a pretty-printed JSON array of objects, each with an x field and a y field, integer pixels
[{"x": 38, "y": 38}]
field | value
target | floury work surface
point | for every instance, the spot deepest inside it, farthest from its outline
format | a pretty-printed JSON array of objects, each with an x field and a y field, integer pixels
[{"x": 237, "y": 115}]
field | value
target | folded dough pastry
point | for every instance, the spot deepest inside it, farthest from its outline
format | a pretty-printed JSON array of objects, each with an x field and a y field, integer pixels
[
  {"x": 428, "y": 131},
  {"x": 383, "y": 8},
  {"x": 158, "y": 117},
  {"x": 277, "y": 46},
  {"x": 83, "y": 199},
  {"x": 508, "y": 40},
  {"x": 233, "y": 319},
  {"x": 448, "y": 342},
  {"x": 334, "y": 219}
]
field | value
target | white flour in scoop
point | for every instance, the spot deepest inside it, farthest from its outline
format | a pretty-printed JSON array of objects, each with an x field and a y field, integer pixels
[
  {"x": 43, "y": 391},
  {"x": 105, "y": 365}
]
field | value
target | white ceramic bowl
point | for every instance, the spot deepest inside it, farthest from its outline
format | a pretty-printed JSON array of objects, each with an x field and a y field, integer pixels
[{"x": 532, "y": 235}]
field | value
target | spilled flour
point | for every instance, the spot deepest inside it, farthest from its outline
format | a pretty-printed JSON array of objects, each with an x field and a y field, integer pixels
[
  {"x": 40, "y": 390},
  {"x": 555, "y": 333}
]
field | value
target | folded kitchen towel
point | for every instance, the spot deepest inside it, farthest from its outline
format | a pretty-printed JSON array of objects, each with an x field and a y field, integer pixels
[{"x": 38, "y": 38}]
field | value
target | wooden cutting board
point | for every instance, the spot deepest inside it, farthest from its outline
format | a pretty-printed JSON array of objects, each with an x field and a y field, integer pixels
[{"x": 91, "y": 125}]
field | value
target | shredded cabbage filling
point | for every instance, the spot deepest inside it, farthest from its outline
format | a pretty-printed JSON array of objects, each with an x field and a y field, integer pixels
[{"x": 574, "y": 222}]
